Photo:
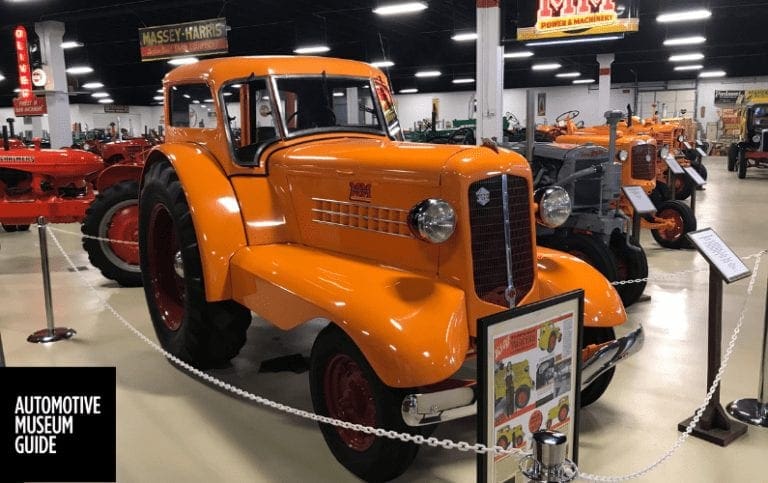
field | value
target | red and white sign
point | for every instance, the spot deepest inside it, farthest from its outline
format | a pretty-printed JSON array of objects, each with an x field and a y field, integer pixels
[
  {"x": 32, "y": 106},
  {"x": 22, "y": 60},
  {"x": 39, "y": 78},
  {"x": 573, "y": 18}
]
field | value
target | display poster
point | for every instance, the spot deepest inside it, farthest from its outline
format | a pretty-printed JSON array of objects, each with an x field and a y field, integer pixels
[
  {"x": 199, "y": 38},
  {"x": 556, "y": 19},
  {"x": 529, "y": 371}
]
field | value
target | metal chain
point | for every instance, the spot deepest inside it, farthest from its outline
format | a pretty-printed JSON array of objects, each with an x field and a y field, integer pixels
[
  {"x": 380, "y": 432},
  {"x": 697, "y": 415},
  {"x": 83, "y": 235}
]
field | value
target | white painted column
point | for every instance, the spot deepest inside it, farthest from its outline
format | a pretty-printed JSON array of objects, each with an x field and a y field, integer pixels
[
  {"x": 604, "y": 92},
  {"x": 490, "y": 71},
  {"x": 59, "y": 121}
]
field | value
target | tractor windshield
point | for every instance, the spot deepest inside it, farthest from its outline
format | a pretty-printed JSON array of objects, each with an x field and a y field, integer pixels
[
  {"x": 760, "y": 116},
  {"x": 313, "y": 104}
]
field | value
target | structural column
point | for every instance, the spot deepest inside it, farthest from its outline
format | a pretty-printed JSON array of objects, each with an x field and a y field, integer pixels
[
  {"x": 604, "y": 92},
  {"x": 51, "y": 35},
  {"x": 490, "y": 71}
]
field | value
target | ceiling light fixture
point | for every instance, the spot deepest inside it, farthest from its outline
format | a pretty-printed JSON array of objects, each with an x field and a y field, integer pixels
[
  {"x": 158, "y": 98},
  {"x": 566, "y": 75},
  {"x": 236, "y": 86},
  {"x": 106, "y": 101},
  {"x": 311, "y": 49},
  {"x": 71, "y": 44},
  {"x": 465, "y": 37},
  {"x": 2, "y": 77},
  {"x": 692, "y": 40},
  {"x": 428, "y": 73},
  {"x": 80, "y": 69},
  {"x": 227, "y": 94},
  {"x": 523, "y": 54},
  {"x": 183, "y": 60},
  {"x": 338, "y": 94},
  {"x": 408, "y": 91},
  {"x": 584, "y": 81},
  {"x": 684, "y": 16},
  {"x": 549, "y": 66},
  {"x": 712, "y": 73},
  {"x": 689, "y": 67},
  {"x": 99, "y": 94},
  {"x": 463, "y": 80},
  {"x": 159, "y": 90},
  {"x": 186, "y": 96},
  {"x": 93, "y": 85},
  {"x": 574, "y": 41},
  {"x": 686, "y": 57},
  {"x": 382, "y": 63},
  {"x": 399, "y": 8}
]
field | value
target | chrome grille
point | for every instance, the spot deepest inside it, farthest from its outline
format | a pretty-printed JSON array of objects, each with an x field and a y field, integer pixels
[{"x": 644, "y": 161}]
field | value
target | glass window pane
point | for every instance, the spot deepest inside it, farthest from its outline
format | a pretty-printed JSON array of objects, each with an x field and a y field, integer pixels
[{"x": 192, "y": 106}]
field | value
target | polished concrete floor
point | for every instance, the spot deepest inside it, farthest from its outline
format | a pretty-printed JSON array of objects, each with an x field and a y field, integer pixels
[{"x": 173, "y": 428}]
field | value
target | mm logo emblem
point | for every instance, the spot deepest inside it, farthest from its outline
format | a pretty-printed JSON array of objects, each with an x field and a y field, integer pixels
[
  {"x": 360, "y": 191},
  {"x": 483, "y": 196}
]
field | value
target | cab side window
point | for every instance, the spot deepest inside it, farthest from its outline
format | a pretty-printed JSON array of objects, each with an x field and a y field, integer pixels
[{"x": 192, "y": 106}]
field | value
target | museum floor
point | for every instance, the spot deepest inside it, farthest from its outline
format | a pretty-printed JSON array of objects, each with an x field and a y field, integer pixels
[{"x": 173, "y": 428}]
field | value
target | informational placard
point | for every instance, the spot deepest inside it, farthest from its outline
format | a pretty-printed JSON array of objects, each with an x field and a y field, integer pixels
[
  {"x": 575, "y": 18},
  {"x": 639, "y": 199},
  {"x": 192, "y": 38},
  {"x": 695, "y": 176},
  {"x": 719, "y": 255},
  {"x": 701, "y": 152},
  {"x": 30, "y": 106},
  {"x": 529, "y": 375},
  {"x": 674, "y": 165}
]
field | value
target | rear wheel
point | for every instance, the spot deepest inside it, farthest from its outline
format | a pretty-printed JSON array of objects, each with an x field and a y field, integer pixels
[
  {"x": 743, "y": 162},
  {"x": 597, "y": 335},
  {"x": 733, "y": 153},
  {"x": 345, "y": 387},
  {"x": 631, "y": 264},
  {"x": 683, "y": 187},
  {"x": 204, "y": 334},
  {"x": 684, "y": 222},
  {"x": 589, "y": 248}
]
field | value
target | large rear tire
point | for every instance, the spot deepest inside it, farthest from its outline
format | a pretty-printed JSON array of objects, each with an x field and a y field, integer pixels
[
  {"x": 589, "y": 248},
  {"x": 204, "y": 334},
  {"x": 597, "y": 335},
  {"x": 685, "y": 222}
]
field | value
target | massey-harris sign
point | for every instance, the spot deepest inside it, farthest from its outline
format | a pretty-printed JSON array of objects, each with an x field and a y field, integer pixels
[
  {"x": 201, "y": 37},
  {"x": 570, "y": 18}
]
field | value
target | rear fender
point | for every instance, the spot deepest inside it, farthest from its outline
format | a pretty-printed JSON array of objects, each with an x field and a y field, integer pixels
[
  {"x": 117, "y": 173},
  {"x": 411, "y": 328},
  {"x": 215, "y": 211},
  {"x": 560, "y": 272}
]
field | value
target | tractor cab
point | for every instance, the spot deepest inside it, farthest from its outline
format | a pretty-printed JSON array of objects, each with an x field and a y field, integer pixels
[{"x": 752, "y": 150}]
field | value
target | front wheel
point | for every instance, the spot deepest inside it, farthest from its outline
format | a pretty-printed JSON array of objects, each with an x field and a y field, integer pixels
[
  {"x": 13, "y": 228},
  {"x": 597, "y": 335},
  {"x": 345, "y": 387},
  {"x": 743, "y": 162},
  {"x": 733, "y": 153},
  {"x": 201, "y": 333},
  {"x": 684, "y": 222}
]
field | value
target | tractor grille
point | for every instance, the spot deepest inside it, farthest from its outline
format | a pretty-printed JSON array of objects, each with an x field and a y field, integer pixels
[
  {"x": 644, "y": 161},
  {"x": 489, "y": 258},
  {"x": 132, "y": 151}
]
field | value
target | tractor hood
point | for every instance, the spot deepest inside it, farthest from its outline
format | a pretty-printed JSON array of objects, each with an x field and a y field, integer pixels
[{"x": 53, "y": 162}]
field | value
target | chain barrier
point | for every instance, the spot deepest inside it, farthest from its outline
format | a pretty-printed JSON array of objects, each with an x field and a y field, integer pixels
[
  {"x": 98, "y": 238},
  {"x": 478, "y": 448}
]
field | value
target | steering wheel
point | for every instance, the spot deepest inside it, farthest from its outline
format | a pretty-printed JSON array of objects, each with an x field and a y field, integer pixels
[
  {"x": 572, "y": 114},
  {"x": 327, "y": 110},
  {"x": 513, "y": 120}
]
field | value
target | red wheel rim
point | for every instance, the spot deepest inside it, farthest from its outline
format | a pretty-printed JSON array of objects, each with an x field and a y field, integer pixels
[
  {"x": 167, "y": 286},
  {"x": 502, "y": 442},
  {"x": 563, "y": 413},
  {"x": 518, "y": 441},
  {"x": 124, "y": 225},
  {"x": 675, "y": 232},
  {"x": 522, "y": 398},
  {"x": 552, "y": 343},
  {"x": 348, "y": 397}
]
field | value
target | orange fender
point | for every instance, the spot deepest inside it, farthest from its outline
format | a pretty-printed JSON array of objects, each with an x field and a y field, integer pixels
[
  {"x": 602, "y": 304},
  {"x": 412, "y": 329}
]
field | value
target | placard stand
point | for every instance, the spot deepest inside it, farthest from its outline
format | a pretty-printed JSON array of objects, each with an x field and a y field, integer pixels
[
  {"x": 698, "y": 181},
  {"x": 641, "y": 205},
  {"x": 714, "y": 425}
]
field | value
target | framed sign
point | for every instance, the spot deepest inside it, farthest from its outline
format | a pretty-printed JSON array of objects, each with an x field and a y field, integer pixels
[
  {"x": 557, "y": 19},
  {"x": 202, "y": 37},
  {"x": 529, "y": 376},
  {"x": 719, "y": 255}
]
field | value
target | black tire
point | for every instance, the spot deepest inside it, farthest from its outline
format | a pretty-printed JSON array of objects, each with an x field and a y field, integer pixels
[
  {"x": 589, "y": 248},
  {"x": 683, "y": 187},
  {"x": 743, "y": 162},
  {"x": 631, "y": 264},
  {"x": 733, "y": 153},
  {"x": 686, "y": 223},
  {"x": 660, "y": 194},
  {"x": 10, "y": 228},
  {"x": 522, "y": 396},
  {"x": 22, "y": 227},
  {"x": 369, "y": 457},
  {"x": 503, "y": 442},
  {"x": 518, "y": 441},
  {"x": 597, "y": 335},
  {"x": 204, "y": 334},
  {"x": 701, "y": 169},
  {"x": 118, "y": 262}
]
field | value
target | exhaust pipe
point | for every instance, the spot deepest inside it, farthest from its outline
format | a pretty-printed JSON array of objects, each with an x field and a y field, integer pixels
[{"x": 6, "y": 146}]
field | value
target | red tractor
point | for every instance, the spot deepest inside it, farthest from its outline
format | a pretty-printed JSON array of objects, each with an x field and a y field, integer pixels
[{"x": 119, "y": 150}]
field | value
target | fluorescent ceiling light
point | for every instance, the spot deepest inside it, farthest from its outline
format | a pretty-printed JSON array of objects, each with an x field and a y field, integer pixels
[
  {"x": 93, "y": 85},
  {"x": 584, "y": 81},
  {"x": 236, "y": 86},
  {"x": 2, "y": 77},
  {"x": 186, "y": 96},
  {"x": 99, "y": 94},
  {"x": 465, "y": 37},
  {"x": 158, "y": 98},
  {"x": 428, "y": 73},
  {"x": 312, "y": 49},
  {"x": 686, "y": 57},
  {"x": 106, "y": 101},
  {"x": 684, "y": 16},
  {"x": 574, "y": 41},
  {"x": 17, "y": 90},
  {"x": 398, "y": 8},
  {"x": 80, "y": 69},
  {"x": 463, "y": 80},
  {"x": 550, "y": 66},
  {"x": 383, "y": 63},
  {"x": 689, "y": 67},
  {"x": 693, "y": 40},
  {"x": 712, "y": 73},
  {"x": 338, "y": 94},
  {"x": 568, "y": 74},
  {"x": 408, "y": 91},
  {"x": 183, "y": 60},
  {"x": 208, "y": 100},
  {"x": 227, "y": 94},
  {"x": 71, "y": 44},
  {"x": 523, "y": 54},
  {"x": 195, "y": 101},
  {"x": 159, "y": 90}
]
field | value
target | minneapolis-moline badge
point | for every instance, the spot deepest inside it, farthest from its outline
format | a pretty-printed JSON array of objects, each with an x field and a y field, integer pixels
[
  {"x": 483, "y": 196},
  {"x": 360, "y": 191}
]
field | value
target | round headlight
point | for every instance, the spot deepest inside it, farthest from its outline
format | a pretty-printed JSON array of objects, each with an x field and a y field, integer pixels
[
  {"x": 756, "y": 138},
  {"x": 681, "y": 138},
  {"x": 554, "y": 206},
  {"x": 664, "y": 152},
  {"x": 623, "y": 155},
  {"x": 432, "y": 220}
]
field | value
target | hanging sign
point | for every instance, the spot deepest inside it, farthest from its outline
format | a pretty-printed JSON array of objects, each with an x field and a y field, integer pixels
[
  {"x": 757, "y": 96},
  {"x": 728, "y": 98},
  {"x": 31, "y": 106},
  {"x": 116, "y": 109},
  {"x": 201, "y": 38},
  {"x": 574, "y": 18},
  {"x": 22, "y": 60}
]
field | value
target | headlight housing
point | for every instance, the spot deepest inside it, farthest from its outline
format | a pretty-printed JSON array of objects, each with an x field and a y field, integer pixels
[
  {"x": 756, "y": 138},
  {"x": 432, "y": 220},
  {"x": 623, "y": 155},
  {"x": 554, "y": 206},
  {"x": 664, "y": 152}
]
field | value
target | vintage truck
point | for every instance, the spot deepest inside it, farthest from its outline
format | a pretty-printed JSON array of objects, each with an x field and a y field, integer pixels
[{"x": 284, "y": 188}]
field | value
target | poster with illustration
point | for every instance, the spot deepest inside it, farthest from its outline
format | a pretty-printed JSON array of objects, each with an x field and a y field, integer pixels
[{"x": 528, "y": 372}]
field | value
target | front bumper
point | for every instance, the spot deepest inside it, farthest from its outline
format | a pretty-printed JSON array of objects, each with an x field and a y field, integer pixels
[{"x": 440, "y": 406}]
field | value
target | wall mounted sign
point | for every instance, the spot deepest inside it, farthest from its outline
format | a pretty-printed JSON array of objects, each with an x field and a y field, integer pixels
[
  {"x": 22, "y": 61},
  {"x": 39, "y": 78},
  {"x": 116, "y": 109},
  {"x": 728, "y": 98},
  {"x": 529, "y": 373},
  {"x": 756, "y": 96},
  {"x": 31, "y": 106},
  {"x": 575, "y": 18},
  {"x": 200, "y": 38}
]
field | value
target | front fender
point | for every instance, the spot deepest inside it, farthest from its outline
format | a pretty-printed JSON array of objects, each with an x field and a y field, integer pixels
[
  {"x": 215, "y": 211},
  {"x": 560, "y": 272},
  {"x": 411, "y": 328}
]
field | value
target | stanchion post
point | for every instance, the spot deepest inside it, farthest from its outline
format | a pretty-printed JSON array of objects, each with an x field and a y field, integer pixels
[
  {"x": 670, "y": 184},
  {"x": 51, "y": 333},
  {"x": 755, "y": 411},
  {"x": 548, "y": 464},
  {"x": 693, "y": 200},
  {"x": 636, "y": 227}
]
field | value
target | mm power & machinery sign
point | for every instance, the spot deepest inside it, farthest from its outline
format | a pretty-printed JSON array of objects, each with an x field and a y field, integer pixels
[
  {"x": 202, "y": 37},
  {"x": 573, "y": 18}
]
